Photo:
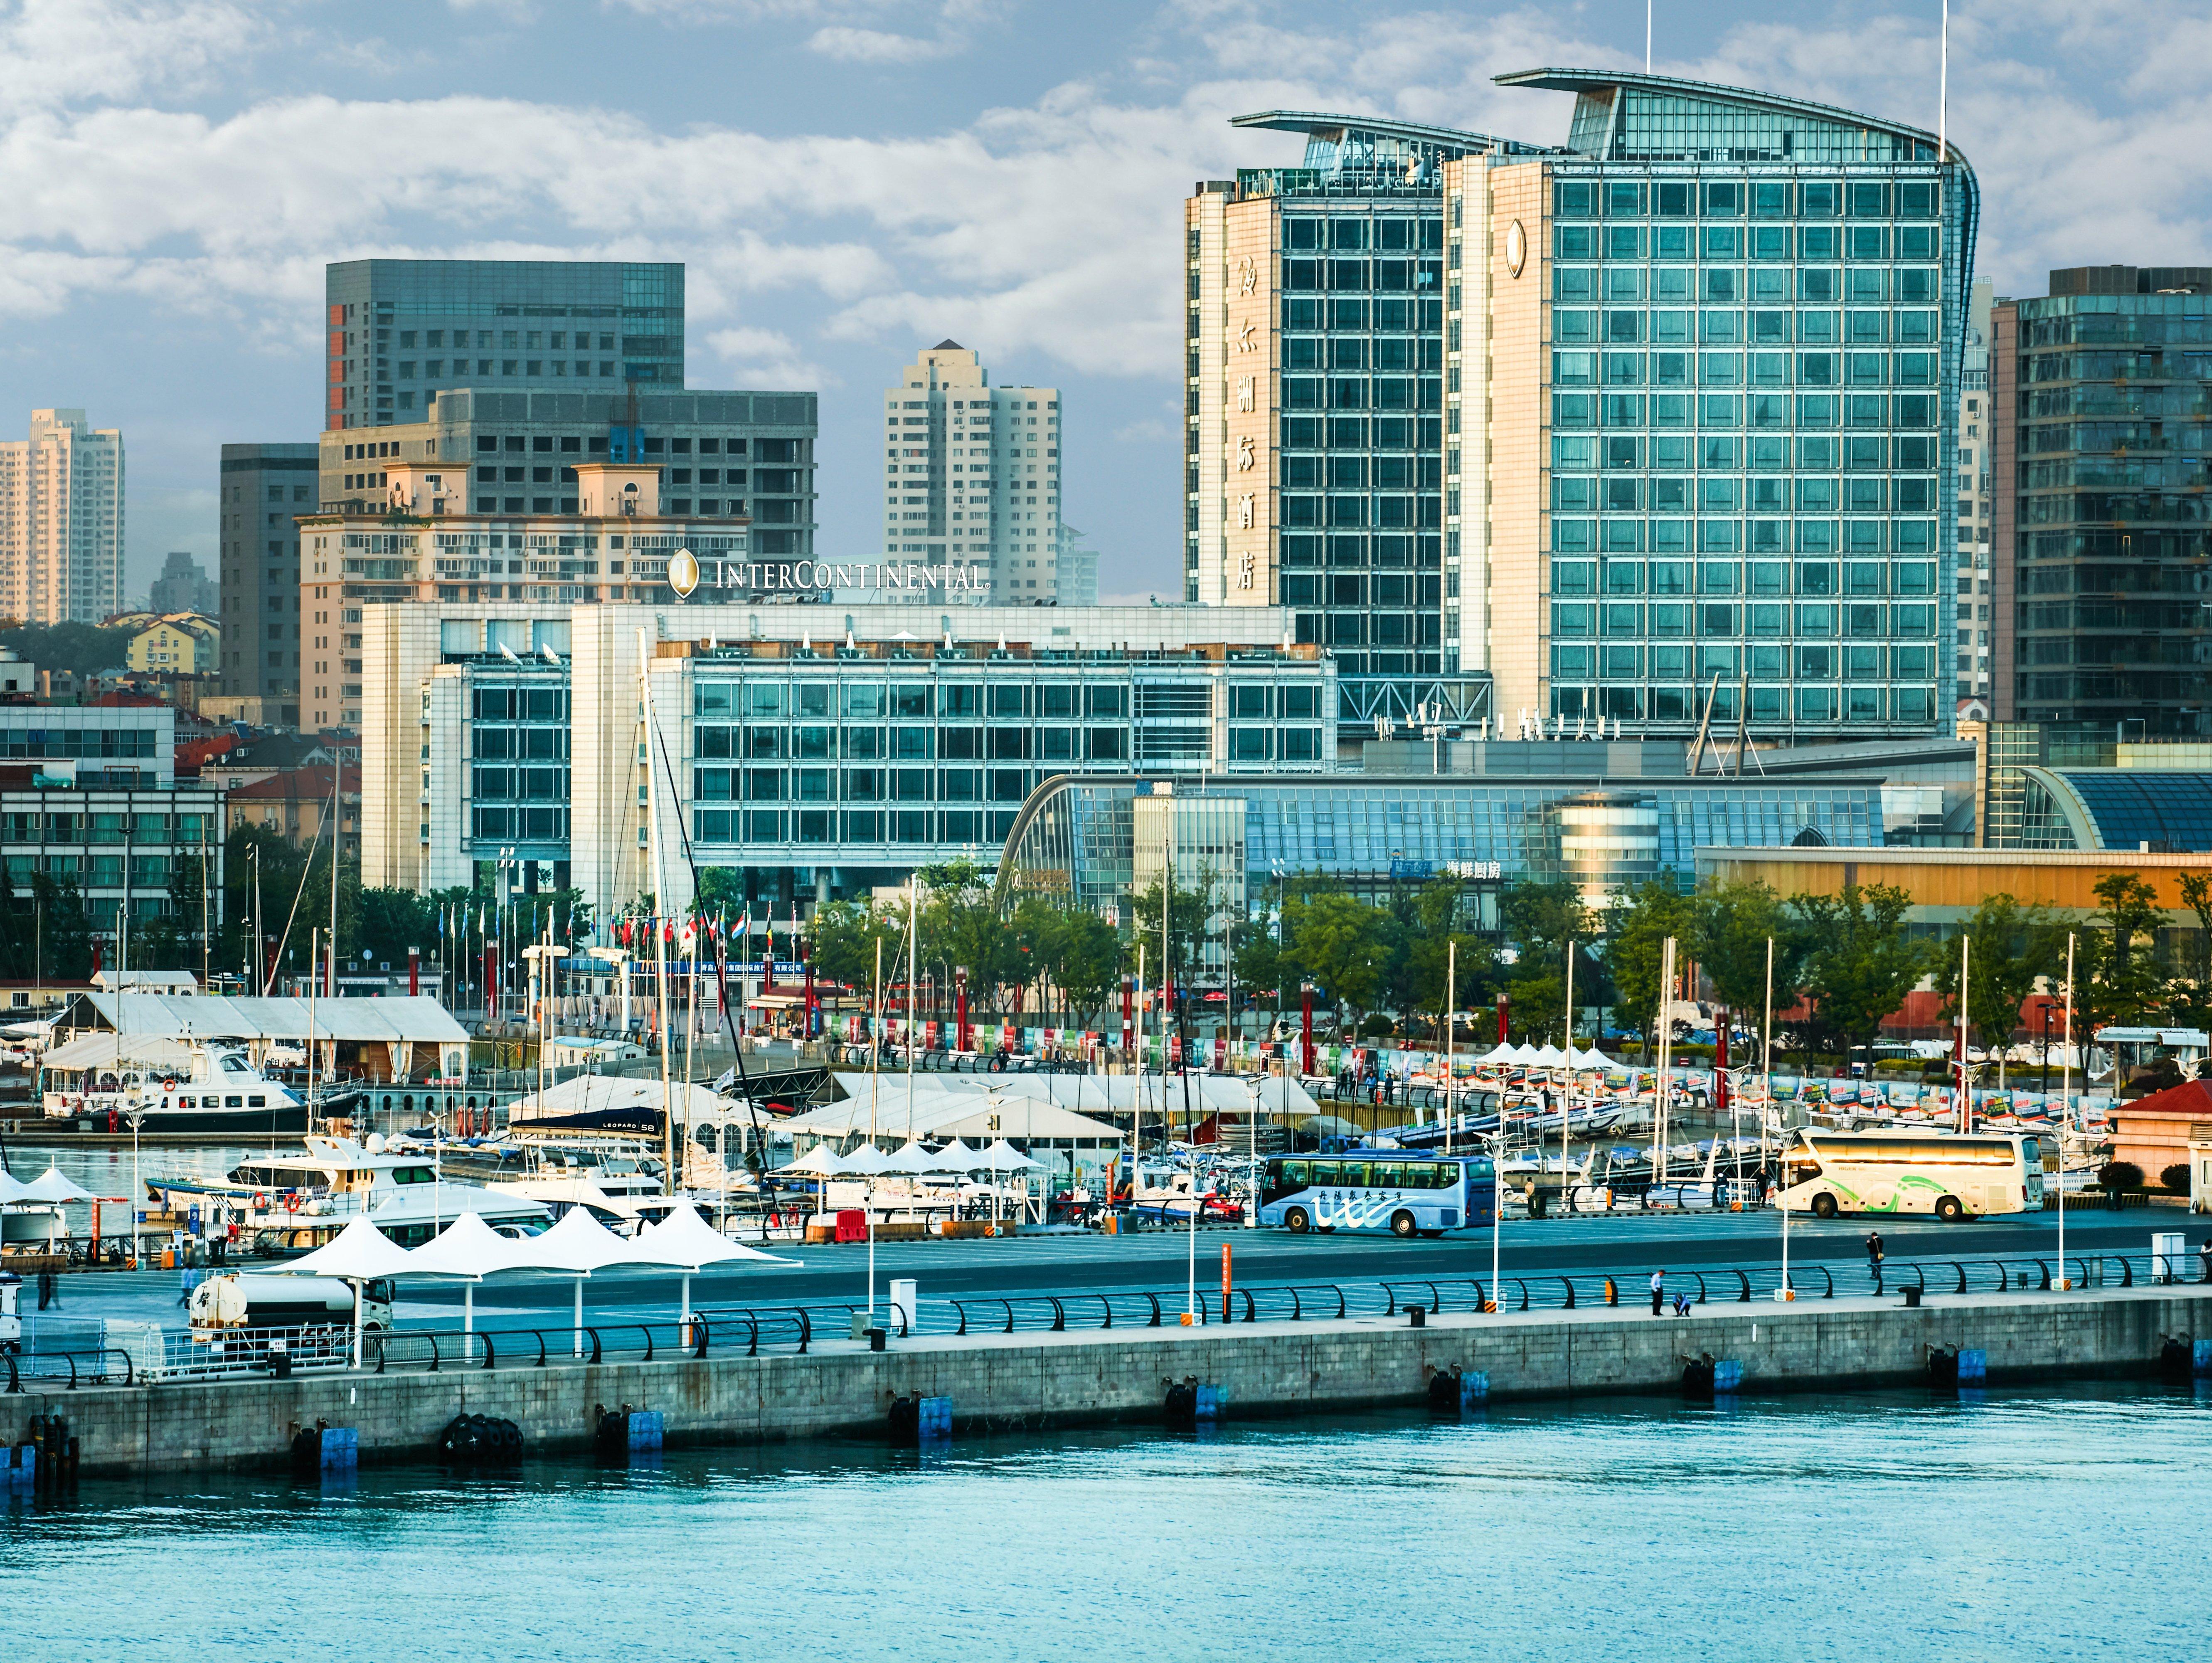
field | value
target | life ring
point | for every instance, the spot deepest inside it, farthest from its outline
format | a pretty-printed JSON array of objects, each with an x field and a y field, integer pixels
[
  {"x": 169, "y": 1085},
  {"x": 260, "y": 1202},
  {"x": 292, "y": 1201}
]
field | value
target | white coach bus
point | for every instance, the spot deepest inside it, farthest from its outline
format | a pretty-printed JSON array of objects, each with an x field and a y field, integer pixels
[{"x": 1826, "y": 1174}]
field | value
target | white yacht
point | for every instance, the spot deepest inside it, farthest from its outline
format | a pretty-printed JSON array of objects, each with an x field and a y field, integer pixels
[
  {"x": 189, "y": 1087},
  {"x": 296, "y": 1201},
  {"x": 613, "y": 1177}
]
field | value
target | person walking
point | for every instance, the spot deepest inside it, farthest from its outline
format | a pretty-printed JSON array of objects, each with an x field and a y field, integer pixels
[
  {"x": 1658, "y": 1292},
  {"x": 1874, "y": 1258}
]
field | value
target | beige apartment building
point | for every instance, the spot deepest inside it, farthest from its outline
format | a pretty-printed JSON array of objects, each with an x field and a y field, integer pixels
[
  {"x": 61, "y": 521},
  {"x": 971, "y": 475}
]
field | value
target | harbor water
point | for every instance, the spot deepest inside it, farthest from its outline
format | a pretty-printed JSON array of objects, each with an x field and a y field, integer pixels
[{"x": 2061, "y": 1523}]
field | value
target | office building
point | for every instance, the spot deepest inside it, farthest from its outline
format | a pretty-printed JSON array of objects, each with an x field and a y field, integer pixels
[
  {"x": 183, "y": 587},
  {"x": 2100, "y": 448},
  {"x": 1078, "y": 569},
  {"x": 61, "y": 521},
  {"x": 971, "y": 474},
  {"x": 261, "y": 489},
  {"x": 818, "y": 751},
  {"x": 417, "y": 545},
  {"x": 90, "y": 796},
  {"x": 401, "y": 331},
  {"x": 728, "y": 456},
  {"x": 1977, "y": 625},
  {"x": 1542, "y": 811},
  {"x": 1655, "y": 422}
]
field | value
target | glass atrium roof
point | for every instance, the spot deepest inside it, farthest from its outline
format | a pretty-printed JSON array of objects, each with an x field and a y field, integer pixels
[
  {"x": 2130, "y": 809},
  {"x": 1655, "y": 117}
]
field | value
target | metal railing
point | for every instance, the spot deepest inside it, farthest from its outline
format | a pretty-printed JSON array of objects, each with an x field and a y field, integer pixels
[{"x": 163, "y": 1355}]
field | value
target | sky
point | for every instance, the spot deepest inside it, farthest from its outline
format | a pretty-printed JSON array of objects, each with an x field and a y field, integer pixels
[{"x": 849, "y": 180}]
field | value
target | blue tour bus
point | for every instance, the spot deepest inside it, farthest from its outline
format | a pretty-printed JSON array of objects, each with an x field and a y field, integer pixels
[{"x": 1405, "y": 1192}]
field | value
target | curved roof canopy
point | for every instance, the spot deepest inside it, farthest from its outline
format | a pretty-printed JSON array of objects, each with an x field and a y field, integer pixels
[
  {"x": 1337, "y": 129},
  {"x": 1624, "y": 116},
  {"x": 2123, "y": 808}
]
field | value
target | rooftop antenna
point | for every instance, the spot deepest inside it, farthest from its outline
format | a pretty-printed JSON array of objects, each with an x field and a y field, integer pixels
[
  {"x": 1943, "y": 89},
  {"x": 507, "y": 653},
  {"x": 806, "y": 643},
  {"x": 546, "y": 648},
  {"x": 849, "y": 647},
  {"x": 1647, "y": 35}
]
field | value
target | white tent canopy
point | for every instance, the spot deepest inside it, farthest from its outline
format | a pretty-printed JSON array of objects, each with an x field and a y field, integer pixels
[
  {"x": 13, "y": 1189},
  {"x": 51, "y": 1185},
  {"x": 1594, "y": 1059},
  {"x": 1550, "y": 1056},
  {"x": 685, "y": 1241},
  {"x": 576, "y": 1245},
  {"x": 820, "y": 1161},
  {"x": 360, "y": 1252},
  {"x": 912, "y": 1159},
  {"x": 866, "y": 1161},
  {"x": 1003, "y": 1157},
  {"x": 1503, "y": 1053},
  {"x": 957, "y": 1157},
  {"x": 466, "y": 1248}
]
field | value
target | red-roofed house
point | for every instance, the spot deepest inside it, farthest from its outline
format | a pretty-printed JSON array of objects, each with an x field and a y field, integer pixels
[{"x": 296, "y": 805}]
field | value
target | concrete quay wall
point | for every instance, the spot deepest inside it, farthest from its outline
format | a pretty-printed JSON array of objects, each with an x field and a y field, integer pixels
[{"x": 1039, "y": 1380}]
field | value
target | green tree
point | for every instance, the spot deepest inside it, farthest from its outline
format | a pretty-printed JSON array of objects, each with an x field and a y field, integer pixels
[
  {"x": 1190, "y": 913},
  {"x": 2124, "y": 983},
  {"x": 1862, "y": 962},
  {"x": 1540, "y": 918},
  {"x": 1430, "y": 920},
  {"x": 2190, "y": 991},
  {"x": 1731, "y": 924},
  {"x": 2012, "y": 947},
  {"x": 1635, "y": 950},
  {"x": 62, "y": 950},
  {"x": 842, "y": 937},
  {"x": 1343, "y": 944},
  {"x": 1087, "y": 962},
  {"x": 79, "y": 648}
]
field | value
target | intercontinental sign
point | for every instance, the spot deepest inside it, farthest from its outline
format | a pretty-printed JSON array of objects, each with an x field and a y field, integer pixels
[{"x": 686, "y": 573}]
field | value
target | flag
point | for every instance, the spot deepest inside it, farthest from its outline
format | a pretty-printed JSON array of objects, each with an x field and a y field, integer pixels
[{"x": 725, "y": 1080}]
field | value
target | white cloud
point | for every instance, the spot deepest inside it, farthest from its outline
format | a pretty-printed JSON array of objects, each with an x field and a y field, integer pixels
[
  {"x": 54, "y": 53},
  {"x": 766, "y": 359},
  {"x": 877, "y": 46}
]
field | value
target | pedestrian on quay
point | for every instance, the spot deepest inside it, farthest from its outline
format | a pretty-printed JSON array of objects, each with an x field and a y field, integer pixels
[
  {"x": 1658, "y": 1292},
  {"x": 2204, "y": 1253},
  {"x": 1874, "y": 1258}
]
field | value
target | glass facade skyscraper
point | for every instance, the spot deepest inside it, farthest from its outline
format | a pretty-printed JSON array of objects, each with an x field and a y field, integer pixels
[
  {"x": 400, "y": 331},
  {"x": 2101, "y": 397},
  {"x": 1650, "y": 429}
]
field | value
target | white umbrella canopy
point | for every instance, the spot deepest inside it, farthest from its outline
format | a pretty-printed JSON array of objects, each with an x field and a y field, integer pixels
[
  {"x": 51, "y": 1185},
  {"x": 820, "y": 1161},
  {"x": 685, "y": 1241},
  {"x": 1004, "y": 1157},
  {"x": 466, "y": 1248},
  {"x": 866, "y": 1161},
  {"x": 1594, "y": 1059},
  {"x": 913, "y": 1159},
  {"x": 1549, "y": 1058},
  {"x": 1525, "y": 1052},
  {"x": 577, "y": 1246},
  {"x": 1502, "y": 1053},
  {"x": 957, "y": 1157},
  {"x": 12, "y": 1189},
  {"x": 360, "y": 1252}
]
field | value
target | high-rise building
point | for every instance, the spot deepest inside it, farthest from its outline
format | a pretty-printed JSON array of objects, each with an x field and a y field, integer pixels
[
  {"x": 1078, "y": 569},
  {"x": 61, "y": 521},
  {"x": 972, "y": 474},
  {"x": 400, "y": 332},
  {"x": 1977, "y": 625},
  {"x": 722, "y": 455},
  {"x": 183, "y": 587},
  {"x": 260, "y": 490},
  {"x": 2099, "y": 395},
  {"x": 1653, "y": 427}
]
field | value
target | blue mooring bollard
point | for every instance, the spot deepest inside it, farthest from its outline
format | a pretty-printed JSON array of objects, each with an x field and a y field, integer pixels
[
  {"x": 645, "y": 1429},
  {"x": 341, "y": 1450},
  {"x": 933, "y": 1417},
  {"x": 1728, "y": 1375},
  {"x": 1973, "y": 1368},
  {"x": 1209, "y": 1403}
]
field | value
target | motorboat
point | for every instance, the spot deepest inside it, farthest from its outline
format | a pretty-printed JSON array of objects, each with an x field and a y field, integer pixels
[
  {"x": 176, "y": 1088},
  {"x": 296, "y": 1201}
]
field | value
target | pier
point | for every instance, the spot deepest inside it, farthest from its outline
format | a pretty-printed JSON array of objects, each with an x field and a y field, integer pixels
[{"x": 1037, "y": 1380}]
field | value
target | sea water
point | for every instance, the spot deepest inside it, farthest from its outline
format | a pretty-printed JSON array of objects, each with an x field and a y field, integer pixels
[{"x": 2062, "y": 1524}]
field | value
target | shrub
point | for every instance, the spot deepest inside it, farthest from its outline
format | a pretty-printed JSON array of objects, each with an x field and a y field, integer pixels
[
  {"x": 1377, "y": 1027},
  {"x": 2117, "y": 1175},
  {"x": 2175, "y": 1178}
]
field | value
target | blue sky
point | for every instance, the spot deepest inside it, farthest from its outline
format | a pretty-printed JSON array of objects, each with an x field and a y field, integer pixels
[{"x": 849, "y": 179}]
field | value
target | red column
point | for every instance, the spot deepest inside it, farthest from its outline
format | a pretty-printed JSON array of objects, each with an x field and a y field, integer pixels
[
  {"x": 1720, "y": 1064},
  {"x": 414, "y": 971},
  {"x": 1501, "y": 1019},
  {"x": 1128, "y": 1018},
  {"x": 960, "y": 985},
  {"x": 1305, "y": 1028}
]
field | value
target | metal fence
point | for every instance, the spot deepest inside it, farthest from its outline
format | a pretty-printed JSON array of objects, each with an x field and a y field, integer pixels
[{"x": 143, "y": 1354}]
